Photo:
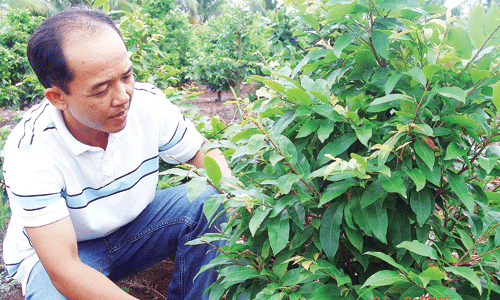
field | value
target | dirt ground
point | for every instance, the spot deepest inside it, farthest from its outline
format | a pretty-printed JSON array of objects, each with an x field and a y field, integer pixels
[{"x": 152, "y": 283}]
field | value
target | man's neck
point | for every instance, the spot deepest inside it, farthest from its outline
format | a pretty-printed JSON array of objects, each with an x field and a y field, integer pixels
[{"x": 87, "y": 135}]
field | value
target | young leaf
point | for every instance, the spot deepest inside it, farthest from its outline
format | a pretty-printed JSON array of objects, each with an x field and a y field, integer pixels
[{"x": 213, "y": 169}]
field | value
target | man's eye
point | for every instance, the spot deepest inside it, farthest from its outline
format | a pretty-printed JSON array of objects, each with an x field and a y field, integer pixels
[{"x": 101, "y": 93}]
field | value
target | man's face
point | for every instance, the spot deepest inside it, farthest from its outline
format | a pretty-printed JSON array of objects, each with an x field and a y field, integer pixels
[{"x": 102, "y": 85}]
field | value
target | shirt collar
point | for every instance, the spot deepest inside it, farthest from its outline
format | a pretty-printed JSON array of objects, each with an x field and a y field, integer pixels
[{"x": 76, "y": 147}]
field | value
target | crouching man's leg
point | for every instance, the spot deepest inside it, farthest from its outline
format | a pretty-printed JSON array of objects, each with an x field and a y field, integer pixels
[{"x": 161, "y": 231}]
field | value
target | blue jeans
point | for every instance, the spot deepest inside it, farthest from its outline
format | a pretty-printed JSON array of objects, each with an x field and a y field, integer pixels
[{"x": 159, "y": 232}]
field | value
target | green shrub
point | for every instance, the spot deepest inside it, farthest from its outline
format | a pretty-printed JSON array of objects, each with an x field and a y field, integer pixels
[
  {"x": 17, "y": 84},
  {"x": 366, "y": 167},
  {"x": 229, "y": 50},
  {"x": 160, "y": 47}
]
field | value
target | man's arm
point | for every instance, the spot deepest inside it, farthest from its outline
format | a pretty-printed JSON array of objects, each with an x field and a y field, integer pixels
[
  {"x": 57, "y": 249},
  {"x": 216, "y": 154}
]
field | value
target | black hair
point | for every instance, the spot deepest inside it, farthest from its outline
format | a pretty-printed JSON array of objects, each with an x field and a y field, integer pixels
[{"x": 45, "y": 47}]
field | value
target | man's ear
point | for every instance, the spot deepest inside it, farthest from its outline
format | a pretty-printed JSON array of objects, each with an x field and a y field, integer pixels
[{"x": 56, "y": 96}]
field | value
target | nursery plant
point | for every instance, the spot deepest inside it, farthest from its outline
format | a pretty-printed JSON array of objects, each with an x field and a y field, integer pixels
[
  {"x": 229, "y": 47},
  {"x": 365, "y": 169}
]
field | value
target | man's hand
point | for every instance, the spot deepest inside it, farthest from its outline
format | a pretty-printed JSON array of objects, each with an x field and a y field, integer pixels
[{"x": 57, "y": 249}]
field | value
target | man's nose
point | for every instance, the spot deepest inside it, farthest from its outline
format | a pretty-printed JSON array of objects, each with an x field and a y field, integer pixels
[{"x": 120, "y": 95}]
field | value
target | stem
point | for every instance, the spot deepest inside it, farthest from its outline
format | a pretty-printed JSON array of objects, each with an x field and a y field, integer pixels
[
  {"x": 281, "y": 153},
  {"x": 479, "y": 240},
  {"x": 481, "y": 49}
]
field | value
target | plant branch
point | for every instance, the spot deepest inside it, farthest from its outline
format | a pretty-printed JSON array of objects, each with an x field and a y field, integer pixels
[
  {"x": 281, "y": 153},
  {"x": 481, "y": 49},
  {"x": 479, "y": 240}
]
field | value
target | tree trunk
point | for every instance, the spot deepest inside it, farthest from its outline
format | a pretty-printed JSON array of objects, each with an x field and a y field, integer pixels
[{"x": 219, "y": 98}]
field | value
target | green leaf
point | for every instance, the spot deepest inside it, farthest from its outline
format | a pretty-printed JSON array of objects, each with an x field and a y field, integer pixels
[
  {"x": 269, "y": 82},
  {"x": 496, "y": 95},
  {"x": 492, "y": 20},
  {"x": 385, "y": 277},
  {"x": 475, "y": 26},
  {"x": 285, "y": 182},
  {"x": 381, "y": 43},
  {"x": 458, "y": 185},
  {"x": 452, "y": 92},
  {"x": 391, "y": 83},
  {"x": 364, "y": 133},
  {"x": 329, "y": 232},
  {"x": 419, "y": 248},
  {"x": 255, "y": 143},
  {"x": 418, "y": 178},
  {"x": 468, "y": 274},
  {"x": 279, "y": 231},
  {"x": 393, "y": 184},
  {"x": 195, "y": 187},
  {"x": 425, "y": 153},
  {"x": 459, "y": 39},
  {"x": 444, "y": 292},
  {"x": 430, "y": 70},
  {"x": 213, "y": 169},
  {"x": 298, "y": 95},
  {"x": 212, "y": 204},
  {"x": 389, "y": 98},
  {"x": 387, "y": 259},
  {"x": 421, "y": 204},
  {"x": 235, "y": 274},
  {"x": 433, "y": 273},
  {"x": 378, "y": 220},
  {"x": 337, "y": 190},
  {"x": 310, "y": 20},
  {"x": 343, "y": 41},
  {"x": 354, "y": 236},
  {"x": 417, "y": 74},
  {"x": 258, "y": 217},
  {"x": 309, "y": 127},
  {"x": 461, "y": 120},
  {"x": 325, "y": 292},
  {"x": 372, "y": 193},
  {"x": 488, "y": 163},
  {"x": 336, "y": 147},
  {"x": 455, "y": 150}
]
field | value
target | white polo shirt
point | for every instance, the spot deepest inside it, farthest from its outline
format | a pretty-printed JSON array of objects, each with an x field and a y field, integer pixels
[{"x": 50, "y": 175}]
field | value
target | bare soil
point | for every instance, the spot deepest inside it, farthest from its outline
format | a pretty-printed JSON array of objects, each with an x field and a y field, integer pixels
[{"x": 152, "y": 283}]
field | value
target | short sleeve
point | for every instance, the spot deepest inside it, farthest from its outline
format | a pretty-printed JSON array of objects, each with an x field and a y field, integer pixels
[
  {"x": 33, "y": 189},
  {"x": 178, "y": 137}
]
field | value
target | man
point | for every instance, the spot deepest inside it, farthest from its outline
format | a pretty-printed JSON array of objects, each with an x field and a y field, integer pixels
[{"x": 81, "y": 170}]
